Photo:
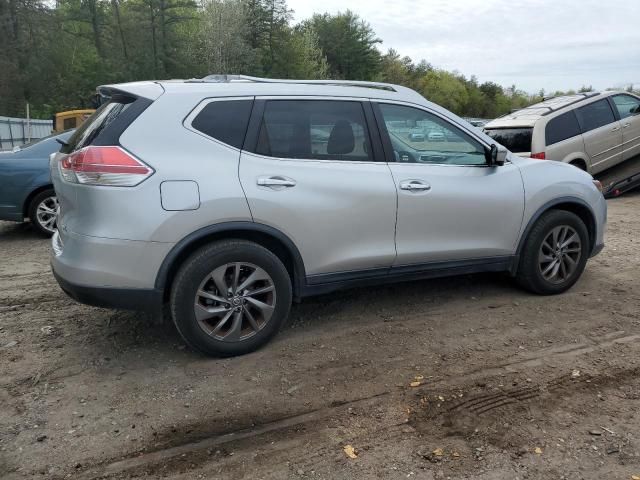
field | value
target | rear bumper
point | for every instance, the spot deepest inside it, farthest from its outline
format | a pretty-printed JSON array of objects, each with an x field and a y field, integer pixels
[
  {"x": 107, "y": 297},
  {"x": 107, "y": 272}
]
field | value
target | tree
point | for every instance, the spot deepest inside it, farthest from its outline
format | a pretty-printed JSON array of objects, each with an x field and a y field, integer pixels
[
  {"x": 348, "y": 43},
  {"x": 299, "y": 56},
  {"x": 221, "y": 43},
  {"x": 445, "y": 89}
]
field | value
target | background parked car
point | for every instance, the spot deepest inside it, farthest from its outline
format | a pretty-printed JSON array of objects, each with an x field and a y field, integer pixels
[
  {"x": 593, "y": 131},
  {"x": 25, "y": 183}
]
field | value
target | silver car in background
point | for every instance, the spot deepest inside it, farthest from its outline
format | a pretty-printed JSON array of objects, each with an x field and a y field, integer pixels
[
  {"x": 592, "y": 131},
  {"x": 230, "y": 197}
]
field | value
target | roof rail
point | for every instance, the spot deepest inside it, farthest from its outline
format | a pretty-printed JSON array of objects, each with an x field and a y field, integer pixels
[
  {"x": 223, "y": 78},
  {"x": 585, "y": 95}
]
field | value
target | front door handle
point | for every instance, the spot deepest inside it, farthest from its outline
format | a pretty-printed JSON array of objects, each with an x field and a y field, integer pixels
[
  {"x": 276, "y": 181},
  {"x": 415, "y": 186},
  {"x": 626, "y": 125}
]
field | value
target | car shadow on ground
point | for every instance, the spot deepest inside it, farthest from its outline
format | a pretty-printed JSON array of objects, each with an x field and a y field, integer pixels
[
  {"x": 18, "y": 231},
  {"x": 125, "y": 333}
]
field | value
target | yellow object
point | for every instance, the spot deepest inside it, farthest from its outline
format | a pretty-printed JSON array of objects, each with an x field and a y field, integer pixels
[
  {"x": 70, "y": 119},
  {"x": 350, "y": 451}
]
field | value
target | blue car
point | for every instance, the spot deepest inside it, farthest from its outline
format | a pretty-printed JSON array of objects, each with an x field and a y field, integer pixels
[{"x": 25, "y": 183}]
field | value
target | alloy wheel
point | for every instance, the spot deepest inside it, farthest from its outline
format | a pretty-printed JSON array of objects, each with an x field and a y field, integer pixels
[
  {"x": 235, "y": 301},
  {"x": 47, "y": 213},
  {"x": 559, "y": 254}
]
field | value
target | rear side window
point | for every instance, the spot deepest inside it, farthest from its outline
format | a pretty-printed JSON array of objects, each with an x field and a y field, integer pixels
[
  {"x": 595, "y": 115},
  {"x": 562, "y": 127},
  {"x": 516, "y": 140},
  {"x": 225, "y": 120},
  {"x": 97, "y": 123},
  {"x": 314, "y": 129}
]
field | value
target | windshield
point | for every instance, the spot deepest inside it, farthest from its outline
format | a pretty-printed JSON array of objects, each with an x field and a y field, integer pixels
[{"x": 517, "y": 139}]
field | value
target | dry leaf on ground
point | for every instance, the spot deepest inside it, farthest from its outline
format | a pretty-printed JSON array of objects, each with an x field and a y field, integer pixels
[{"x": 350, "y": 452}]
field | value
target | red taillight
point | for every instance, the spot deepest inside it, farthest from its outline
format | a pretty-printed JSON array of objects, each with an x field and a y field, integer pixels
[
  {"x": 95, "y": 165},
  {"x": 539, "y": 156}
]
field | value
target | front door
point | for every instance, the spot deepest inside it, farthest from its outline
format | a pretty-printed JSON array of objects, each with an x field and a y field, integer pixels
[
  {"x": 628, "y": 108},
  {"x": 452, "y": 206},
  {"x": 313, "y": 173}
]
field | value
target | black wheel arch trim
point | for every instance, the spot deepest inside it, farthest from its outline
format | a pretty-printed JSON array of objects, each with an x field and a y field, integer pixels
[
  {"x": 549, "y": 206},
  {"x": 193, "y": 238}
]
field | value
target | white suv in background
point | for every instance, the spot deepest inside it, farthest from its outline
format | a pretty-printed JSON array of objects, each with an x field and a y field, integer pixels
[{"x": 593, "y": 131}]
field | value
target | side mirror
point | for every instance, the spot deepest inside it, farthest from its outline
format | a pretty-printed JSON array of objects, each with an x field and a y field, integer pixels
[
  {"x": 635, "y": 110},
  {"x": 495, "y": 155}
]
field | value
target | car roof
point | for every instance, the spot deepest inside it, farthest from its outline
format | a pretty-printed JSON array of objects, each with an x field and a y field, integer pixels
[{"x": 527, "y": 117}]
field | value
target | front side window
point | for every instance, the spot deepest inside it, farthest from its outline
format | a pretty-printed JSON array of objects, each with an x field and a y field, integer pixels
[
  {"x": 561, "y": 128},
  {"x": 595, "y": 115},
  {"x": 225, "y": 120},
  {"x": 626, "y": 105},
  {"x": 421, "y": 137},
  {"x": 314, "y": 129}
]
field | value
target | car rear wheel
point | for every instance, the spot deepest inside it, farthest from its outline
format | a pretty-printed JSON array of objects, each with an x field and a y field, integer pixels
[
  {"x": 43, "y": 212},
  {"x": 230, "y": 298},
  {"x": 555, "y": 253}
]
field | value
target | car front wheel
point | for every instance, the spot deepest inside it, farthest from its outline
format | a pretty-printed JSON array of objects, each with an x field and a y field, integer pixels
[
  {"x": 555, "y": 253},
  {"x": 230, "y": 298}
]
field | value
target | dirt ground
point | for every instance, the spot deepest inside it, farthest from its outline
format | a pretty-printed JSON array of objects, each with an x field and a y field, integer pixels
[{"x": 507, "y": 385}]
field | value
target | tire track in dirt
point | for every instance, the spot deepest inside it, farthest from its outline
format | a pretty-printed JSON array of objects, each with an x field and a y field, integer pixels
[{"x": 477, "y": 405}]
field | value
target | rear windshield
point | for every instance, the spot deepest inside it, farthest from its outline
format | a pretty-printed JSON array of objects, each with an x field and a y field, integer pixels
[
  {"x": 516, "y": 140},
  {"x": 96, "y": 123}
]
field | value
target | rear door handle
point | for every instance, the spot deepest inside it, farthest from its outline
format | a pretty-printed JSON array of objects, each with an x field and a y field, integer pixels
[
  {"x": 415, "y": 186},
  {"x": 276, "y": 181},
  {"x": 615, "y": 129}
]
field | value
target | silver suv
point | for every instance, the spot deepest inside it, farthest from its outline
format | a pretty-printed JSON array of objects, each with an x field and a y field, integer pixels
[
  {"x": 229, "y": 197},
  {"x": 592, "y": 131}
]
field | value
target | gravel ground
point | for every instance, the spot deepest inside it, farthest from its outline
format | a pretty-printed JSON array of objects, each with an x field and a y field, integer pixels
[{"x": 466, "y": 377}]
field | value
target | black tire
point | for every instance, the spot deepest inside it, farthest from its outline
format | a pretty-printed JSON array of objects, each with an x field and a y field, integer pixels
[
  {"x": 579, "y": 164},
  {"x": 37, "y": 223},
  {"x": 198, "y": 268},
  {"x": 530, "y": 272}
]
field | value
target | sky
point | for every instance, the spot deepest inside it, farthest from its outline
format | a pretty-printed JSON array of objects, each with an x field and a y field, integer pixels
[{"x": 534, "y": 44}]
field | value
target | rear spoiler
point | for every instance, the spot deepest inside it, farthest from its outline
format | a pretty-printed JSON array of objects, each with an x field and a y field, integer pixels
[{"x": 148, "y": 90}]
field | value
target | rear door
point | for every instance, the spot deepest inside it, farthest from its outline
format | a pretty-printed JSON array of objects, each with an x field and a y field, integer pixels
[
  {"x": 628, "y": 108},
  {"x": 601, "y": 133},
  {"x": 452, "y": 206},
  {"x": 314, "y": 169}
]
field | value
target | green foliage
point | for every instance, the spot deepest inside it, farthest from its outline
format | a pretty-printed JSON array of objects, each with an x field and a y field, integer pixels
[
  {"x": 55, "y": 54},
  {"x": 348, "y": 43}
]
